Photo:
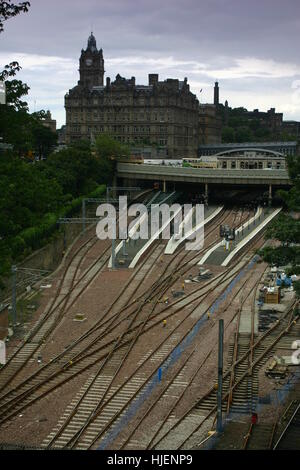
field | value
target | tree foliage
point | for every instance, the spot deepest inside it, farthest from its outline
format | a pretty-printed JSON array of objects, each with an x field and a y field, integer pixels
[
  {"x": 33, "y": 195},
  {"x": 25, "y": 132},
  {"x": 296, "y": 286},
  {"x": 285, "y": 227},
  {"x": 108, "y": 151},
  {"x": 15, "y": 89},
  {"x": 26, "y": 195},
  {"x": 9, "y": 10},
  {"x": 75, "y": 168},
  {"x": 239, "y": 126},
  {"x": 106, "y": 147}
]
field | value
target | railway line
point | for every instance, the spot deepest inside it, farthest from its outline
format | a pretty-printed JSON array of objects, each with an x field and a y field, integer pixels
[
  {"x": 205, "y": 408},
  {"x": 289, "y": 436},
  {"x": 69, "y": 289},
  {"x": 72, "y": 416},
  {"x": 176, "y": 390},
  {"x": 113, "y": 355},
  {"x": 146, "y": 368},
  {"x": 130, "y": 285},
  {"x": 59, "y": 306},
  {"x": 283, "y": 434}
]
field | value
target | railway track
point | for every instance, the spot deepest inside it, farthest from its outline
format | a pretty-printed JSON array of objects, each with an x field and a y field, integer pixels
[
  {"x": 60, "y": 437},
  {"x": 173, "y": 392},
  {"x": 205, "y": 408},
  {"x": 51, "y": 318},
  {"x": 289, "y": 437},
  {"x": 68, "y": 291},
  {"x": 95, "y": 381},
  {"x": 130, "y": 286},
  {"x": 114, "y": 404},
  {"x": 162, "y": 437},
  {"x": 283, "y": 434}
]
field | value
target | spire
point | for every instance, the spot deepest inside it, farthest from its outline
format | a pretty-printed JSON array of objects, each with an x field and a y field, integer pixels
[
  {"x": 216, "y": 94},
  {"x": 92, "y": 43}
]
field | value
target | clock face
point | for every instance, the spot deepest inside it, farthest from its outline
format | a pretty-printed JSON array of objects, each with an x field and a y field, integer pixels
[{"x": 88, "y": 62}]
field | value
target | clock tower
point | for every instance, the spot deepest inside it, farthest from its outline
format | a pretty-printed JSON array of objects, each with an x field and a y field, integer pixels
[{"x": 91, "y": 65}]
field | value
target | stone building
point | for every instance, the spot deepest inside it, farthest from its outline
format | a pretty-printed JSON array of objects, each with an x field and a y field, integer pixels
[
  {"x": 291, "y": 128},
  {"x": 162, "y": 114},
  {"x": 210, "y": 124},
  {"x": 210, "y": 120},
  {"x": 47, "y": 121},
  {"x": 269, "y": 119},
  {"x": 243, "y": 159},
  {"x": 282, "y": 148}
]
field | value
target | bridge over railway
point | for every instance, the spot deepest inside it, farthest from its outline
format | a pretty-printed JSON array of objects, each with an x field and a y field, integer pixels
[{"x": 206, "y": 176}]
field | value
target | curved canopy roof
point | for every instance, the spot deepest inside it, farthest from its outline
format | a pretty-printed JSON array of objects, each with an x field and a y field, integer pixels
[{"x": 227, "y": 153}]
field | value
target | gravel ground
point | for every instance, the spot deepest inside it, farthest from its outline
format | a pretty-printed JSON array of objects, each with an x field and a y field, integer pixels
[{"x": 37, "y": 421}]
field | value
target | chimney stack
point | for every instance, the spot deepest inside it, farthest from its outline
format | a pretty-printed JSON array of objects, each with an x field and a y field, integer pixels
[
  {"x": 216, "y": 94},
  {"x": 153, "y": 78}
]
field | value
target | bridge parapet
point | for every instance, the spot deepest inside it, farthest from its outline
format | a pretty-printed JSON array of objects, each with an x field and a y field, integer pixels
[{"x": 203, "y": 175}]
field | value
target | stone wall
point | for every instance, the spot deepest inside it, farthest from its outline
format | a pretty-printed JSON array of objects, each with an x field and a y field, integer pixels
[
  {"x": 47, "y": 258},
  {"x": 3, "y": 323}
]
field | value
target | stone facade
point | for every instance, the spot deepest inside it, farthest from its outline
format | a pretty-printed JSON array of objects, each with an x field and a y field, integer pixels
[
  {"x": 210, "y": 124},
  {"x": 269, "y": 119},
  {"x": 47, "y": 121},
  {"x": 162, "y": 114},
  {"x": 292, "y": 128},
  {"x": 282, "y": 148}
]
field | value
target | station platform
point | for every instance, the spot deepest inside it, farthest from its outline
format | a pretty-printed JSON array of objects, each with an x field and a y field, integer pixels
[
  {"x": 210, "y": 212},
  {"x": 128, "y": 253},
  {"x": 220, "y": 255}
]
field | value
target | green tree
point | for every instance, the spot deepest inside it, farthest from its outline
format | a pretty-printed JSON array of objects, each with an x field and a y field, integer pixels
[
  {"x": 9, "y": 10},
  {"x": 296, "y": 286},
  {"x": 44, "y": 139},
  {"x": 285, "y": 228},
  {"x": 228, "y": 134},
  {"x": 15, "y": 89},
  {"x": 76, "y": 169},
  {"x": 292, "y": 197},
  {"x": 26, "y": 195},
  {"x": 243, "y": 134},
  {"x": 108, "y": 151},
  {"x": 25, "y": 132},
  {"x": 15, "y": 129}
]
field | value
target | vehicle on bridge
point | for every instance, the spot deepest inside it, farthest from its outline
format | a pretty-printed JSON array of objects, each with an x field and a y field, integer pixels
[
  {"x": 199, "y": 163},
  {"x": 252, "y": 159}
]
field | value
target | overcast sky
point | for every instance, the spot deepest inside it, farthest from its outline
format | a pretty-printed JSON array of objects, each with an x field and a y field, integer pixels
[{"x": 250, "y": 46}]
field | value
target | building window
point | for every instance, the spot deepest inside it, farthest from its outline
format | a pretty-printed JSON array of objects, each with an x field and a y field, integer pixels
[{"x": 233, "y": 164}]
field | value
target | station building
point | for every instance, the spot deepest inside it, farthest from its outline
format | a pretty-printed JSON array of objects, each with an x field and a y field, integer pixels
[
  {"x": 163, "y": 114},
  {"x": 283, "y": 148},
  {"x": 254, "y": 159}
]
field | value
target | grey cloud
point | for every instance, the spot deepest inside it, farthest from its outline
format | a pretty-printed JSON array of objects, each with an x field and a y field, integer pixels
[{"x": 213, "y": 34}]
